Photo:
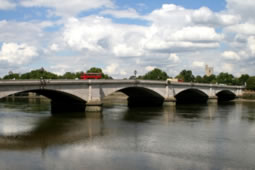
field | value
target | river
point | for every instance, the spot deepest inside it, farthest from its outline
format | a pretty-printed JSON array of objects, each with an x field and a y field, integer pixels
[{"x": 214, "y": 136}]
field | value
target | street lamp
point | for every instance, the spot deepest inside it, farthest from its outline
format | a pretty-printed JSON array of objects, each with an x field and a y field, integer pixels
[{"x": 135, "y": 72}]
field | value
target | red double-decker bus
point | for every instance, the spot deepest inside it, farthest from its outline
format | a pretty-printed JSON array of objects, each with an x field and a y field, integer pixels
[{"x": 86, "y": 76}]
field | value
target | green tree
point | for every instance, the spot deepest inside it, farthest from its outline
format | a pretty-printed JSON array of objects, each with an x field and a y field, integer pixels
[
  {"x": 40, "y": 73},
  {"x": 69, "y": 75},
  {"x": 251, "y": 83},
  {"x": 209, "y": 79},
  {"x": 11, "y": 76},
  {"x": 155, "y": 74},
  {"x": 186, "y": 76},
  {"x": 99, "y": 70},
  {"x": 225, "y": 78},
  {"x": 199, "y": 79},
  {"x": 243, "y": 79}
]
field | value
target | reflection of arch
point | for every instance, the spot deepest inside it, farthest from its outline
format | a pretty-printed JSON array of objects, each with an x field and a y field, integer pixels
[
  {"x": 225, "y": 95},
  {"x": 191, "y": 96},
  {"x": 54, "y": 131},
  {"x": 61, "y": 101},
  {"x": 139, "y": 96}
]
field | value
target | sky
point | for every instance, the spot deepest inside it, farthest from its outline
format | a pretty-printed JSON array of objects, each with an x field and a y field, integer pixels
[{"x": 121, "y": 36}]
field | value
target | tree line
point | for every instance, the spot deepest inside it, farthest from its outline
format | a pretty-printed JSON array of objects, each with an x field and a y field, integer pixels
[
  {"x": 187, "y": 76},
  {"x": 42, "y": 73},
  {"x": 155, "y": 74}
]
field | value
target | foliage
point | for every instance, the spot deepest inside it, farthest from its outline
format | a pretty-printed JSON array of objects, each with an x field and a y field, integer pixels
[
  {"x": 251, "y": 83},
  {"x": 243, "y": 79},
  {"x": 155, "y": 74},
  {"x": 11, "y": 76},
  {"x": 209, "y": 79},
  {"x": 99, "y": 70},
  {"x": 70, "y": 75},
  {"x": 186, "y": 76},
  {"x": 225, "y": 78},
  {"x": 199, "y": 79},
  {"x": 40, "y": 73}
]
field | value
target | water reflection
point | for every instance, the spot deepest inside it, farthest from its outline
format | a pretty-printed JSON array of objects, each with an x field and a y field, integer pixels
[
  {"x": 182, "y": 137},
  {"x": 52, "y": 131}
]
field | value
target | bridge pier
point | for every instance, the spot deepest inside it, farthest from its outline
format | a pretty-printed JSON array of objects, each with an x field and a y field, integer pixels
[
  {"x": 170, "y": 101},
  {"x": 94, "y": 106},
  {"x": 212, "y": 99}
]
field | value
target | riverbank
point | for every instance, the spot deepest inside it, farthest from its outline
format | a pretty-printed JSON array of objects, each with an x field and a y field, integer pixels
[{"x": 250, "y": 95}]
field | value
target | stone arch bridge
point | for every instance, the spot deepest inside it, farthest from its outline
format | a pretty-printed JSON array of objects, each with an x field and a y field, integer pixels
[{"x": 78, "y": 95}]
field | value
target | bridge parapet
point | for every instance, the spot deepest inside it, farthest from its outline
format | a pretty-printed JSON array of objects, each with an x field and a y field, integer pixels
[{"x": 93, "y": 91}]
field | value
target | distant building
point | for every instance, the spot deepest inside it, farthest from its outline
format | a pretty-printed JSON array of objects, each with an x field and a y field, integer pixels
[{"x": 208, "y": 70}]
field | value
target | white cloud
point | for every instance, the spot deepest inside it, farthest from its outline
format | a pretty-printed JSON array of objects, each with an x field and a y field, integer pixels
[
  {"x": 17, "y": 54},
  {"x": 251, "y": 45},
  {"x": 174, "y": 58},
  {"x": 25, "y": 32},
  {"x": 129, "y": 13},
  {"x": 226, "y": 67},
  {"x": 149, "y": 68},
  {"x": 54, "y": 47},
  {"x": 68, "y": 7},
  {"x": 98, "y": 40},
  {"x": 99, "y": 34},
  {"x": 230, "y": 55},
  {"x": 207, "y": 17},
  {"x": 243, "y": 8},
  {"x": 112, "y": 69},
  {"x": 243, "y": 28},
  {"x": 6, "y": 5},
  {"x": 198, "y": 64},
  {"x": 197, "y": 34}
]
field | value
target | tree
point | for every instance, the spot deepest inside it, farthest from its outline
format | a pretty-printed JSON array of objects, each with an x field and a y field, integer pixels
[
  {"x": 251, "y": 83},
  {"x": 199, "y": 79},
  {"x": 209, "y": 79},
  {"x": 12, "y": 76},
  {"x": 186, "y": 76},
  {"x": 243, "y": 79},
  {"x": 69, "y": 75},
  {"x": 99, "y": 70},
  {"x": 37, "y": 74},
  {"x": 225, "y": 78},
  {"x": 155, "y": 74}
]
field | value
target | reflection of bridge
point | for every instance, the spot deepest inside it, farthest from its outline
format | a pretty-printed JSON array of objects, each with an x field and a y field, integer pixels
[{"x": 76, "y": 94}]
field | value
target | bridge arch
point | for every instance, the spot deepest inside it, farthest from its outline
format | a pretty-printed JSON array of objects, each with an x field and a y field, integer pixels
[
  {"x": 191, "y": 95},
  {"x": 141, "y": 96},
  {"x": 60, "y": 101},
  {"x": 225, "y": 95}
]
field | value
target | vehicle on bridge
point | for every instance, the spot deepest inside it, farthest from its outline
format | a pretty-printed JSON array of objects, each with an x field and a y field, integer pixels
[
  {"x": 86, "y": 76},
  {"x": 174, "y": 80}
]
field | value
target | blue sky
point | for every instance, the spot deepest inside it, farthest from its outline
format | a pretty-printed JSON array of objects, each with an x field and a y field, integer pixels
[{"x": 125, "y": 35}]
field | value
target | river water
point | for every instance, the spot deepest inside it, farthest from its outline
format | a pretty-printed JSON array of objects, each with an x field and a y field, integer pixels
[{"x": 214, "y": 136}]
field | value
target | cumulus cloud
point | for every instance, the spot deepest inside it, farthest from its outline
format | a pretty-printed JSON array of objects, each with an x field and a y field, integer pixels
[
  {"x": 100, "y": 34},
  {"x": 227, "y": 67},
  {"x": 6, "y": 5},
  {"x": 17, "y": 54},
  {"x": 243, "y": 28},
  {"x": 67, "y": 8},
  {"x": 111, "y": 69},
  {"x": 243, "y": 8},
  {"x": 129, "y": 13},
  {"x": 251, "y": 45},
  {"x": 199, "y": 64},
  {"x": 195, "y": 34},
  {"x": 230, "y": 55},
  {"x": 150, "y": 68},
  {"x": 174, "y": 58},
  {"x": 25, "y": 32}
]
